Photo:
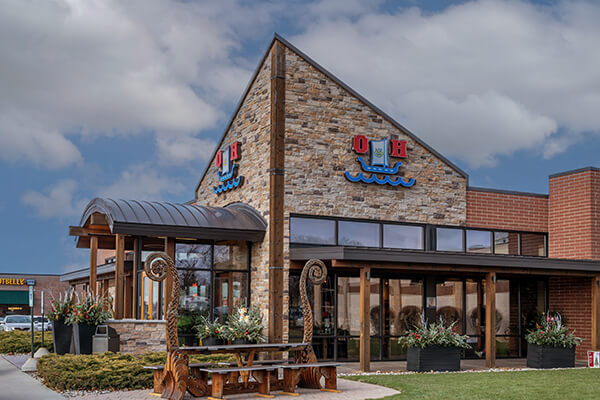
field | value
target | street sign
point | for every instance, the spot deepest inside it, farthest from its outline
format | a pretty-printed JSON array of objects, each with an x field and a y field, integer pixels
[
  {"x": 30, "y": 296},
  {"x": 594, "y": 359}
]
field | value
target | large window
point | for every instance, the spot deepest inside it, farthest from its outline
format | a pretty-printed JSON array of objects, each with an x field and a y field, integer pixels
[
  {"x": 358, "y": 234},
  {"x": 403, "y": 236},
  {"x": 449, "y": 239},
  {"x": 506, "y": 243},
  {"x": 479, "y": 241},
  {"x": 312, "y": 230}
]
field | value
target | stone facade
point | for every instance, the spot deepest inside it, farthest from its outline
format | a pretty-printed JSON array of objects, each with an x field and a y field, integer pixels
[
  {"x": 138, "y": 336},
  {"x": 251, "y": 127}
]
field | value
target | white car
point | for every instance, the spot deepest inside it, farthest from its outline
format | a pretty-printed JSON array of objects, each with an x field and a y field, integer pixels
[
  {"x": 17, "y": 322},
  {"x": 37, "y": 323}
]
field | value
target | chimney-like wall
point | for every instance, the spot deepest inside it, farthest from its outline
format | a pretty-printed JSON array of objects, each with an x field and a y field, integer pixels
[{"x": 574, "y": 214}]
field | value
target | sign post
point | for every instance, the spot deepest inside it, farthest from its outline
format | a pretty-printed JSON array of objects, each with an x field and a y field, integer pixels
[
  {"x": 31, "y": 307},
  {"x": 43, "y": 318}
]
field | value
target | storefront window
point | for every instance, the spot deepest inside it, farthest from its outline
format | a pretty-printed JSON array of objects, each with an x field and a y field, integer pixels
[
  {"x": 506, "y": 243},
  {"x": 449, "y": 239},
  {"x": 449, "y": 300},
  {"x": 404, "y": 305},
  {"x": 231, "y": 255},
  {"x": 312, "y": 230},
  {"x": 195, "y": 289},
  {"x": 479, "y": 241},
  {"x": 231, "y": 292},
  {"x": 533, "y": 244},
  {"x": 403, "y": 237},
  {"x": 348, "y": 306},
  {"x": 358, "y": 233}
]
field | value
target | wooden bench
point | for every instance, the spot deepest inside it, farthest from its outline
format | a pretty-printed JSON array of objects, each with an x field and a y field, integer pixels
[
  {"x": 220, "y": 376},
  {"x": 293, "y": 372}
]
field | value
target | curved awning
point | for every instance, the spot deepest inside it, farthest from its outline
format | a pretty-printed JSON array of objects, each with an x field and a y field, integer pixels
[{"x": 237, "y": 221}]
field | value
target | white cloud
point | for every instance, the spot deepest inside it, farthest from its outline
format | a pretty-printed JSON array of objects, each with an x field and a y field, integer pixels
[
  {"x": 116, "y": 68},
  {"x": 143, "y": 183},
  {"x": 181, "y": 150},
  {"x": 476, "y": 80},
  {"x": 58, "y": 201}
]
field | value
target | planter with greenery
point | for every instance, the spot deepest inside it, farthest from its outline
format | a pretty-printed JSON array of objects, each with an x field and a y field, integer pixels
[
  {"x": 551, "y": 345},
  {"x": 244, "y": 326},
  {"x": 433, "y": 347},
  {"x": 87, "y": 313},
  {"x": 209, "y": 332},
  {"x": 60, "y": 310}
]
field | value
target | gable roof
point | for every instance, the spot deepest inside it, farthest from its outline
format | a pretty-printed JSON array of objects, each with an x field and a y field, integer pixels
[{"x": 318, "y": 67}]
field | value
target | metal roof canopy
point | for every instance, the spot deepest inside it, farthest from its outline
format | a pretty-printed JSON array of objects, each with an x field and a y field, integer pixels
[
  {"x": 504, "y": 262},
  {"x": 236, "y": 221}
]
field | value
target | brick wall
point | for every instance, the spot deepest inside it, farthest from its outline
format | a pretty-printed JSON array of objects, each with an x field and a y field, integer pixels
[
  {"x": 519, "y": 212},
  {"x": 574, "y": 216},
  {"x": 572, "y": 297},
  {"x": 49, "y": 284}
]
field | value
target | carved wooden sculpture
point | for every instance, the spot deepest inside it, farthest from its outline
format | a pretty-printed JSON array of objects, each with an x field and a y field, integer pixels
[
  {"x": 316, "y": 271},
  {"x": 175, "y": 376}
]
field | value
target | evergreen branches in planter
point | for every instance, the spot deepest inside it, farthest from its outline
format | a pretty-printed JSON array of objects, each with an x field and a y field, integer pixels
[
  {"x": 62, "y": 331},
  {"x": 551, "y": 345},
  {"x": 210, "y": 332},
  {"x": 244, "y": 324},
  {"x": 91, "y": 310}
]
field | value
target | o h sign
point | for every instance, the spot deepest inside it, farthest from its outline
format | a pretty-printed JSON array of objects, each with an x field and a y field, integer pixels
[{"x": 594, "y": 359}]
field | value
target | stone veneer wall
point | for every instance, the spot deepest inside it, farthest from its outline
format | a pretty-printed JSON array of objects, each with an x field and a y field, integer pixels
[
  {"x": 251, "y": 127},
  {"x": 321, "y": 120},
  {"x": 140, "y": 336}
]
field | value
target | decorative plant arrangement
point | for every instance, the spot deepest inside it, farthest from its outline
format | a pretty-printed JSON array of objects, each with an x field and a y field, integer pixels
[
  {"x": 244, "y": 325},
  {"x": 434, "y": 347},
  {"x": 90, "y": 309},
  {"x": 210, "y": 332},
  {"x": 551, "y": 345},
  {"x": 60, "y": 308}
]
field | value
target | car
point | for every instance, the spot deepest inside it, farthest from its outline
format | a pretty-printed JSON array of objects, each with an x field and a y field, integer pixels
[
  {"x": 17, "y": 323},
  {"x": 37, "y": 323}
]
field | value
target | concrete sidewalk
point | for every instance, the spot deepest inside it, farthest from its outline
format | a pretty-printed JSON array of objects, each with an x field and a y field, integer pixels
[{"x": 17, "y": 385}]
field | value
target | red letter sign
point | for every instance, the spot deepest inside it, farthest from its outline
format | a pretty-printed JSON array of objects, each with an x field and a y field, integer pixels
[
  {"x": 235, "y": 154},
  {"x": 360, "y": 144},
  {"x": 219, "y": 159},
  {"x": 398, "y": 148}
]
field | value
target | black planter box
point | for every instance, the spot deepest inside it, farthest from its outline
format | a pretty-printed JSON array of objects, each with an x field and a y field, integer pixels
[
  {"x": 82, "y": 338},
  {"x": 61, "y": 335},
  {"x": 550, "y": 357},
  {"x": 211, "y": 341},
  {"x": 434, "y": 358}
]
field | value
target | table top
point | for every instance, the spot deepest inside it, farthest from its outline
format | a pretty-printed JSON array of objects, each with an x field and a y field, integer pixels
[{"x": 233, "y": 348}]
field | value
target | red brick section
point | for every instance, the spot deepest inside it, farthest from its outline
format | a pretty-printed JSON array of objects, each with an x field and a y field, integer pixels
[
  {"x": 572, "y": 297},
  {"x": 574, "y": 215},
  {"x": 519, "y": 212}
]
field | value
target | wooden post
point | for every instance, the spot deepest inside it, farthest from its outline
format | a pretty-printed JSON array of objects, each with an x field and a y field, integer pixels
[
  {"x": 365, "y": 323},
  {"x": 136, "y": 262},
  {"x": 128, "y": 297},
  {"x": 276, "y": 188},
  {"x": 119, "y": 275},
  {"x": 490, "y": 320},
  {"x": 168, "y": 282},
  {"x": 596, "y": 313},
  {"x": 93, "y": 262}
]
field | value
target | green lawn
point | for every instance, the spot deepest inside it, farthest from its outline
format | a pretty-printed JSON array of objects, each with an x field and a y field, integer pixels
[{"x": 547, "y": 385}]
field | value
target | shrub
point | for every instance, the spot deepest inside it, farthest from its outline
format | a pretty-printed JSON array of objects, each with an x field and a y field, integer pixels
[
  {"x": 436, "y": 334},
  {"x": 552, "y": 332},
  {"x": 108, "y": 371},
  {"x": 20, "y": 341}
]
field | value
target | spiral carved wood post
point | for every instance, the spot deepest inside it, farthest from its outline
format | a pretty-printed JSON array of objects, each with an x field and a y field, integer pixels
[
  {"x": 175, "y": 376},
  {"x": 316, "y": 271}
]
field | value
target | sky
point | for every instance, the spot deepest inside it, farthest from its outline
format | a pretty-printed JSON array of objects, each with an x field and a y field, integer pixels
[{"x": 127, "y": 99}]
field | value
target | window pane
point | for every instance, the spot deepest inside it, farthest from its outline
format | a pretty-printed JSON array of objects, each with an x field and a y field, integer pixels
[
  {"x": 449, "y": 239},
  {"x": 231, "y": 255},
  {"x": 191, "y": 256},
  {"x": 195, "y": 289},
  {"x": 532, "y": 244},
  {"x": 449, "y": 303},
  {"x": 312, "y": 231},
  {"x": 403, "y": 237},
  {"x": 358, "y": 233},
  {"x": 479, "y": 241},
  {"x": 348, "y": 306},
  {"x": 231, "y": 292},
  {"x": 405, "y": 300},
  {"x": 506, "y": 243}
]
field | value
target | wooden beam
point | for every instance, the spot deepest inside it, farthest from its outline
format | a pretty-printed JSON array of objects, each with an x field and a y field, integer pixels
[
  {"x": 365, "y": 323},
  {"x": 137, "y": 253},
  {"x": 119, "y": 275},
  {"x": 98, "y": 219},
  {"x": 276, "y": 195},
  {"x": 170, "y": 250},
  {"x": 596, "y": 313},
  {"x": 490, "y": 320},
  {"x": 128, "y": 297},
  {"x": 93, "y": 263}
]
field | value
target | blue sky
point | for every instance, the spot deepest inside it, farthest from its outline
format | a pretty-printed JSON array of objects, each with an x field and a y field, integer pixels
[{"x": 127, "y": 99}]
